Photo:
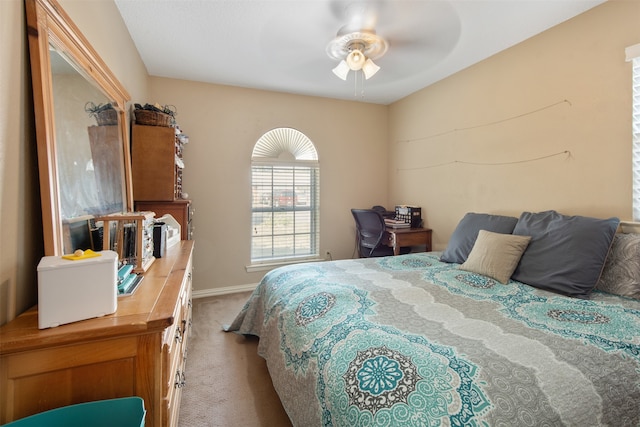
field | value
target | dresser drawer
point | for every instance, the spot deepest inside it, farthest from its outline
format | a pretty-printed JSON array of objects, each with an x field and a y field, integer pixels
[{"x": 175, "y": 352}]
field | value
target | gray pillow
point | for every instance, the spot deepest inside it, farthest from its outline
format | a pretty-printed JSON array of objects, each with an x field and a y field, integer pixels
[
  {"x": 566, "y": 253},
  {"x": 466, "y": 233},
  {"x": 621, "y": 274}
]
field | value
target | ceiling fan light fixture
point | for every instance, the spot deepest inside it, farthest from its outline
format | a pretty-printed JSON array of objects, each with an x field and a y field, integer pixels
[
  {"x": 356, "y": 59},
  {"x": 342, "y": 70},
  {"x": 357, "y": 50},
  {"x": 369, "y": 68}
]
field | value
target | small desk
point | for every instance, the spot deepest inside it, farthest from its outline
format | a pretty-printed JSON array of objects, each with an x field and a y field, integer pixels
[{"x": 400, "y": 237}]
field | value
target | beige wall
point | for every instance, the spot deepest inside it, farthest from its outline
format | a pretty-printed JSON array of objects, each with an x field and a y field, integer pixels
[
  {"x": 581, "y": 61},
  {"x": 102, "y": 25},
  {"x": 224, "y": 123},
  {"x": 20, "y": 222}
]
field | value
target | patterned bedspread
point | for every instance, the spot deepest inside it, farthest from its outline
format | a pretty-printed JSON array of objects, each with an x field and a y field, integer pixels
[{"x": 411, "y": 341}]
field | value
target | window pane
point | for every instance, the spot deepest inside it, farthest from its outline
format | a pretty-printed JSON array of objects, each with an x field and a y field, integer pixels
[{"x": 284, "y": 212}]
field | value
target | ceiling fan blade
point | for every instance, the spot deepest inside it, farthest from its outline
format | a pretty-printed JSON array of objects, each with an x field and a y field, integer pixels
[
  {"x": 357, "y": 15},
  {"x": 418, "y": 19}
]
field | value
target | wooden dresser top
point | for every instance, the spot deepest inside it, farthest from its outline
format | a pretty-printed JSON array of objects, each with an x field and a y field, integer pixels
[{"x": 150, "y": 309}]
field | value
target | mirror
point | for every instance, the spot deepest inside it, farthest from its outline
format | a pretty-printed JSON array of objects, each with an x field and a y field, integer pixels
[{"x": 82, "y": 137}]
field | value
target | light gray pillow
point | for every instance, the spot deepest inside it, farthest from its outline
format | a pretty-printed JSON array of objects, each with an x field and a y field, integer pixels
[
  {"x": 621, "y": 274},
  {"x": 566, "y": 253},
  {"x": 495, "y": 255},
  {"x": 465, "y": 234}
]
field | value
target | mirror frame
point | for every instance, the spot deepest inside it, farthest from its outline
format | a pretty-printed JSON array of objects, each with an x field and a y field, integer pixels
[{"x": 48, "y": 24}]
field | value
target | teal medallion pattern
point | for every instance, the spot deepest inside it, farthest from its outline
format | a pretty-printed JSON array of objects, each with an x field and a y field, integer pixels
[
  {"x": 575, "y": 316},
  {"x": 381, "y": 378},
  {"x": 314, "y": 307},
  {"x": 605, "y": 325},
  {"x": 406, "y": 262},
  {"x": 412, "y": 341},
  {"x": 369, "y": 373},
  {"x": 377, "y": 376}
]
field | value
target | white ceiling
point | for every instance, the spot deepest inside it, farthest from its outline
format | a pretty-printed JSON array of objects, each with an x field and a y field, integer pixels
[{"x": 280, "y": 45}]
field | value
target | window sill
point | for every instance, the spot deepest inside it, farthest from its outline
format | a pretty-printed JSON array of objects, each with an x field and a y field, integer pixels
[{"x": 271, "y": 265}]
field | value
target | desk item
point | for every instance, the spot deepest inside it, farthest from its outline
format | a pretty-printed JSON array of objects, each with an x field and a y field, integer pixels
[
  {"x": 394, "y": 223},
  {"x": 80, "y": 254},
  {"x": 174, "y": 229},
  {"x": 181, "y": 211},
  {"x": 409, "y": 214},
  {"x": 159, "y": 239},
  {"x": 69, "y": 291},
  {"x": 397, "y": 238},
  {"x": 128, "y": 281},
  {"x": 131, "y": 236}
]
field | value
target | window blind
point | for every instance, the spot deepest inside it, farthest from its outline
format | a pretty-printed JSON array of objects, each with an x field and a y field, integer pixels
[{"x": 285, "y": 206}]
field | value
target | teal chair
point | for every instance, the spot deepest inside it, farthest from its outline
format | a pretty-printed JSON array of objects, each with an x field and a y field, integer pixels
[{"x": 122, "y": 412}]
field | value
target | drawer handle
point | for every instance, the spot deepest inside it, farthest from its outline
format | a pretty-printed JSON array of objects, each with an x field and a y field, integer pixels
[
  {"x": 178, "y": 335},
  {"x": 184, "y": 327},
  {"x": 181, "y": 379}
]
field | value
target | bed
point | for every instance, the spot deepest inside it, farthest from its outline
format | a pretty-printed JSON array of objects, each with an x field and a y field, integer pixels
[{"x": 421, "y": 340}]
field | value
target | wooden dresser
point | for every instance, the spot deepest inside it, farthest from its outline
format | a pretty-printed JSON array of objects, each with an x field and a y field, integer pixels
[{"x": 140, "y": 350}]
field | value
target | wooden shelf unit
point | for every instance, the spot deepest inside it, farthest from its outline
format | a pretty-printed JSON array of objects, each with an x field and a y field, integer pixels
[{"x": 156, "y": 154}]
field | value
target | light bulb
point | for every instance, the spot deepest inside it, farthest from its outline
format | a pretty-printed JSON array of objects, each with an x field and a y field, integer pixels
[{"x": 355, "y": 60}]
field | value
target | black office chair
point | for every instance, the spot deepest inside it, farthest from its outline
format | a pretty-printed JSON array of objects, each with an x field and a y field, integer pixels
[
  {"x": 370, "y": 233},
  {"x": 384, "y": 212}
]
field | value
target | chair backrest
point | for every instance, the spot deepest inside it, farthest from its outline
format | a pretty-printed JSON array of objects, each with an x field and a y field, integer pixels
[
  {"x": 384, "y": 212},
  {"x": 370, "y": 229}
]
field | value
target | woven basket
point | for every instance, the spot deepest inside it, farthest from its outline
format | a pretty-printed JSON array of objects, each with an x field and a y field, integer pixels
[
  {"x": 152, "y": 118},
  {"x": 107, "y": 117}
]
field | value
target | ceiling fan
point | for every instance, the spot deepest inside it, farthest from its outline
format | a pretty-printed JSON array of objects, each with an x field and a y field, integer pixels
[
  {"x": 356, "y": 51},
  {"x": 357, "y": 44},
  {"x": 405, "y": 38}
]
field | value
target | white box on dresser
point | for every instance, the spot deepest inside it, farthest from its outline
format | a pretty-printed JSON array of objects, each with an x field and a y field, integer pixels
[{"x": 73, "y": 290}]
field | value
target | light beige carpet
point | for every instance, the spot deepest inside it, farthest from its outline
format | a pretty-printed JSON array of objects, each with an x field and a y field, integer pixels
[{"x": 228, "y": 384}]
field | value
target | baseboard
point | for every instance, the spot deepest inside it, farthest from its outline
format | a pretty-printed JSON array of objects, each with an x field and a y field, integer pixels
[{"x": 203, "y": 293}]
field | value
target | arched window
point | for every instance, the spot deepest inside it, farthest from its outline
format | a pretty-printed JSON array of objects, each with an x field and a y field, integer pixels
[{"x": 285, "y": 198}]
